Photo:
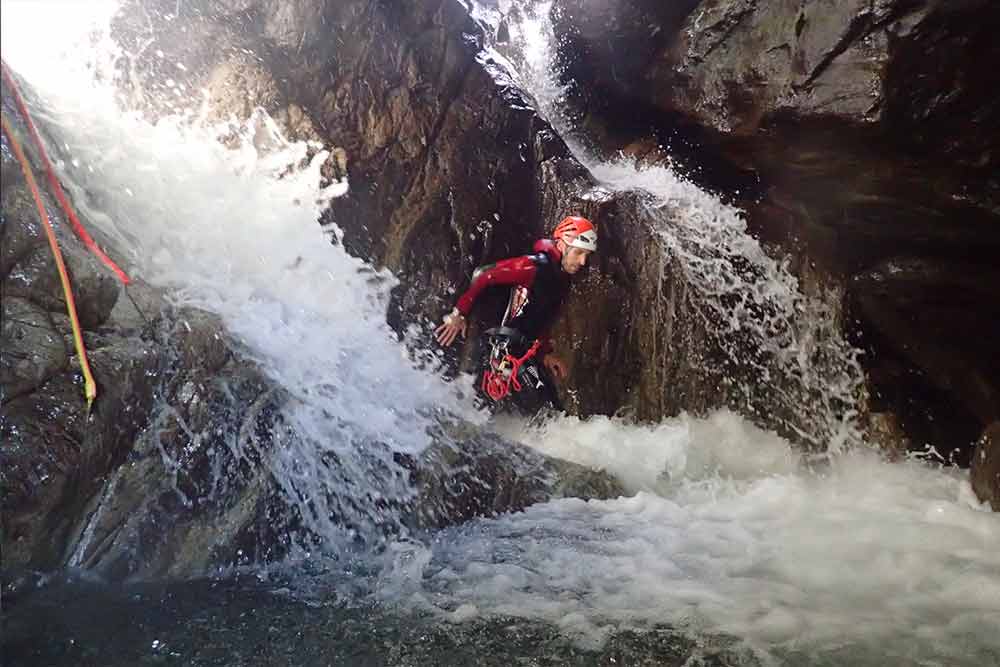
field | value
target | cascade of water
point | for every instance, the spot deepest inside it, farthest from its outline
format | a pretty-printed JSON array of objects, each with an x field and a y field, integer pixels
[
  {"x": 726, "y": 531},
  {"x": 233, "y": 230},
  {"x": 785, "y": 359}
]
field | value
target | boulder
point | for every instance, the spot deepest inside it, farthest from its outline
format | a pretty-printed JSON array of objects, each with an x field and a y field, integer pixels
[{"x": 467, "y": 473}]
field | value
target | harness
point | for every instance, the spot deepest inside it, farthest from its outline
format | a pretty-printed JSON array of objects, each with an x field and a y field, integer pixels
[{"x": 504, "y": 369}]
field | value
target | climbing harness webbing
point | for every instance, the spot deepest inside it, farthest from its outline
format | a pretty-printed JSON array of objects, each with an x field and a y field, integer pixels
[
  {"x": 502, "y": 374},
  {"x": 90, "y": 386},
  {"x": 57, "y": 190}
]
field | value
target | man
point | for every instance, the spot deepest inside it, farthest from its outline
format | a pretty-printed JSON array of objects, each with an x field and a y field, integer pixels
[{"x": 539, "y": 285}]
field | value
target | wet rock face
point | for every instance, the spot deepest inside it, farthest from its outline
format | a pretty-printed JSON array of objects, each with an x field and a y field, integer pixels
[
  {"x": 733, "y": 63},
  {"x": 927, "y": 327},
  {"x": 738, "y": 61},
  {"x": 866, "y": 128},
  {"x": 192, "y": 493},
  {"x": 443, "y": 162},
  {"x": 949, "y": 109},
  {"x": 50, "y": 462},
  {"x": 97, "y": 490},
  {"x": 609, "y": 46},
  {"x": 450, "y": 168}
]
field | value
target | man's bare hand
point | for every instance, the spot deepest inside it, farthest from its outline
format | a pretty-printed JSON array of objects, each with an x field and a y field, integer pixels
[
  {"x": 454, "y": 324},
  {"x": 555, "y": 365}
]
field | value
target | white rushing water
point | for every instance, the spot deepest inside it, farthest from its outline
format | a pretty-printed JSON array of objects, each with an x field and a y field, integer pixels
[
  {"x": 728, "y": 530},
  {"x": 725, "y": 528},
  {"x": 219, "y": 229}
]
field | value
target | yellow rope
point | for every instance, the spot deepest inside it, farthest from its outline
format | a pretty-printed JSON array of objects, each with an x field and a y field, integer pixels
[{"x": 90, "y": 386}]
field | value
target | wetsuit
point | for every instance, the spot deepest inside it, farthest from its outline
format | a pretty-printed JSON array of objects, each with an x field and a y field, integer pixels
[{"x": 539, "y": 287}]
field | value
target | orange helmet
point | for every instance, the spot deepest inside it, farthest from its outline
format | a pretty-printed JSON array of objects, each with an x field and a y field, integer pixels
[{"x": 576, "y": 232}]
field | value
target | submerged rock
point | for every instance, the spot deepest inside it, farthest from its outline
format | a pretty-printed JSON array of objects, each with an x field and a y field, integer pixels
[{"x": 467, "y": 473}]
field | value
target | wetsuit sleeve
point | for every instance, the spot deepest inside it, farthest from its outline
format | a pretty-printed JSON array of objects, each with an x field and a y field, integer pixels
[{"x": 514, "y": 271}]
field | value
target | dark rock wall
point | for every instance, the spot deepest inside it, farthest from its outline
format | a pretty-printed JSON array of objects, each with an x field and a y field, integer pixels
[{"x": 859, "y": 137}]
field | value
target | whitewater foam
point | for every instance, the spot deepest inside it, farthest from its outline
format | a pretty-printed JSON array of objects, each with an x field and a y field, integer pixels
[{"x": 732, "y": 531}]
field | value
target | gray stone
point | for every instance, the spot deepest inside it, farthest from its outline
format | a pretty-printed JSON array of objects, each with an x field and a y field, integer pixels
[{"x": 467, "y": 473}]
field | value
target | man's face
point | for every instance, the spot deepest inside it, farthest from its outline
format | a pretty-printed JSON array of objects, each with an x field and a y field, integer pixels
[{"x": 574, "y": 259}]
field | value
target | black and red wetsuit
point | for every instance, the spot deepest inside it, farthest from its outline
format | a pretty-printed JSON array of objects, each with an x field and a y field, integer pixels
[{"x": 539, "y": 287}]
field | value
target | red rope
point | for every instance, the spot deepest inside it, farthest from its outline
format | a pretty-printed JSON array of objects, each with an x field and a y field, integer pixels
[
  {"x": 54, "y": 181},
  {"x": 497, "y": 383}
]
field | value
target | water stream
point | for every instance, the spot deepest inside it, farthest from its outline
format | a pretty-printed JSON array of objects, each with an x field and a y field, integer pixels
[{"x": 726, "y": 531}]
